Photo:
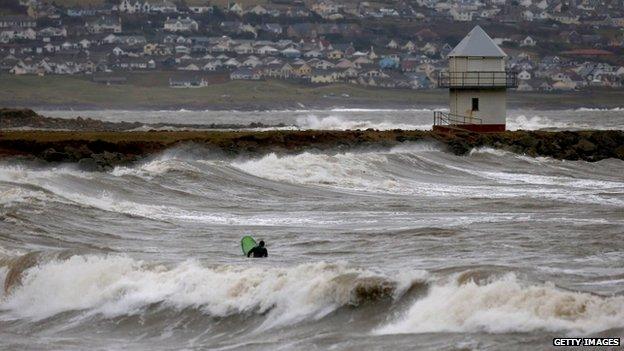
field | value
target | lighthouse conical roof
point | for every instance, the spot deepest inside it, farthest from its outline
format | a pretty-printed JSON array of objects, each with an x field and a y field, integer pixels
[{"x": 477, "y": 44}]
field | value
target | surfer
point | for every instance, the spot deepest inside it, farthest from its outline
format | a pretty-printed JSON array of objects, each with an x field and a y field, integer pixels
[{"x": 258, "y": 251}]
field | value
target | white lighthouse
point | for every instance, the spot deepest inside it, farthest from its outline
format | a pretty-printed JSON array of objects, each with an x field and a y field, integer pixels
[{"x": 477, "y": 83}]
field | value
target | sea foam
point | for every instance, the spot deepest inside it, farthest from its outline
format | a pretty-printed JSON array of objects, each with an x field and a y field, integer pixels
[
  {"x": 111, "y": 286},
  {"x": 341, "y": 123},
  {"x": 505, "y": 305}
]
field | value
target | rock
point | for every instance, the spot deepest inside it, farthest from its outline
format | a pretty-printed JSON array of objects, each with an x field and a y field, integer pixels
[
  {"x": 88, "y": 164},
  {"x": 99, "y": 158},
  {"x": 112, "y": 157},
  {"x": 585, "y": 145},
  {"x": 77, "y": 153},
  {"x": 570, "y": 155},
  {"x": 459, "y": 147},
  {"x": 619, "y": 152},
  {"x": 527, "y": 140},
  {"x": 52, "y": 155}
]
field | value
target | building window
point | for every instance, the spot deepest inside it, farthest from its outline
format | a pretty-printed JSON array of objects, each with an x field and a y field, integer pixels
[{"x": 475, "y": 104}]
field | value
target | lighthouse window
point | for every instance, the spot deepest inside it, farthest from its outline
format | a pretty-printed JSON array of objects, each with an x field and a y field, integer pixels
[{"x": 475, "y": 104}]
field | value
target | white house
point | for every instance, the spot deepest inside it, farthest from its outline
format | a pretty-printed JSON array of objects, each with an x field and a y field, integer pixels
[
  {"x": 528, "y": 16},
  {"x": 266, "y": 50},
  {"x": 528, "y": 41},
  {"x": 52, "y": 32},
  {"x": 212, "y": 65},
  {"x": 323, "y": 76},
  {"x": 246, "y": 73},
  {"x": 187, "y": 83},
  {"x": 237, "y": 9},
  {"x": 461, "y": 15},
  {"x": 258, "y": 10},
  {"x": 524, "y": 75},
  {"x": 163, "y": 6},
  {"x": 244, "y": 49},
  {"x": 104, "y": 24},
  {"x": 18, "y": 33},
  {"x": 201, "y": 9},
  {"x": 409, "y": 46},
  {"x": 180, "y": 25}
]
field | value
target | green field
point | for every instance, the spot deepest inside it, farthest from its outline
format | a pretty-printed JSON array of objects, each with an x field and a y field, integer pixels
[{"x": 150, "y": 90}]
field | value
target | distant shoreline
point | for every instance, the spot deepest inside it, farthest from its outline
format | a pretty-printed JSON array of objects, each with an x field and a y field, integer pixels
[{"x": 78, "y": 93}]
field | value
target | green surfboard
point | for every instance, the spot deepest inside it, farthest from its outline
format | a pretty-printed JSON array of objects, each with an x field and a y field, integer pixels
[{"x": 247, "y": 243}]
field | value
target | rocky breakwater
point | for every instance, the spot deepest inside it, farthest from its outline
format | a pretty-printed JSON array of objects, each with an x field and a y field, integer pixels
[
  {"x": 25, "y": 119},
  {"x": 588, "y": 145},
  {"x": 97, "y": 150},
  {"x": 103, "y": 150}
]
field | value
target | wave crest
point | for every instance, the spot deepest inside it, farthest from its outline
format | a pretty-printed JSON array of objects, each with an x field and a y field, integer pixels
[
  {"x": 505, "y": 305},
  {"x": 115, "y": 285},
  {"x": 340, "y": 123},
  {"x": 367, "y": 171}
]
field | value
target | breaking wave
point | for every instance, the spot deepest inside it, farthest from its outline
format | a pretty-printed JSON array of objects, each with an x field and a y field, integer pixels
[
  {"x": 340, "y": 123},
  {"x": 506, "y": 305},
  {"x": 157, "y": 166},
  {"x": 422, "y": 169},
  {"x": 589, "y": 109},
  {"x": 113, "y": 286},
  {"x": 522, "y": 122},
  {"x": 386, "y": 110},
  {"x": 108, "y": 287},
  {"x": 367, "y": 171},
  {"x": 67, "y": 186},
  {"x": 418, "y": 169}
]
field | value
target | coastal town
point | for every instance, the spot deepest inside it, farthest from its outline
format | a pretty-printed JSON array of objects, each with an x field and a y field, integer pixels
[{"x": 551, "y": 45}]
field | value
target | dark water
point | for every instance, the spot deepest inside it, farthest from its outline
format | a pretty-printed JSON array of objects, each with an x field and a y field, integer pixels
[{"x": 396, "y": 249}]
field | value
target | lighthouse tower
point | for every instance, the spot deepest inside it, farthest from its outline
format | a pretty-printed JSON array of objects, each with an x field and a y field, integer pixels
[{"x": 477, "y": 83}]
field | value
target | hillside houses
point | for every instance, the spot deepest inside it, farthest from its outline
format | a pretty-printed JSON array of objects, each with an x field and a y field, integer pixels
[
  {"x": 316, "y": 42},
  {"x": 17, "y": 22},
  {"x": 158, "y": 6},
  {"x": 180, "y": 25},
  {"x": 104, "y": 24}
]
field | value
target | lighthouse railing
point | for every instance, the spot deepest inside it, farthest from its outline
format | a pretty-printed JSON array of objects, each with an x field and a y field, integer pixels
[
  {"x": 441, "y": 118},
  {"x": 477, "y": 79}
]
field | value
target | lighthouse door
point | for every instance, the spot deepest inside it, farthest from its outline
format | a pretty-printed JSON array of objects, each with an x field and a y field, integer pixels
[{"x": 475, "y": 104}]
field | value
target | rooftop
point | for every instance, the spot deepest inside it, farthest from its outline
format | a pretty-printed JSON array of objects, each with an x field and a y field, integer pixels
[{"x": 477, "y": 44}]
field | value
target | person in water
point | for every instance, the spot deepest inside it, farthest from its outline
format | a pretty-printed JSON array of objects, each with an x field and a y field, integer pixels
[{"x": 258, "y": 251}]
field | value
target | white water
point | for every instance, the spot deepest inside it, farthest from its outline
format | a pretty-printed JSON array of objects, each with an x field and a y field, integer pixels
[
  {"x": 156, "y": 260},
  {"x": 506, "y": 305},
  {"x": 340, "y": 123},
  {"x": 373, "y": 172},
  {"x": 116, "y": 286}
]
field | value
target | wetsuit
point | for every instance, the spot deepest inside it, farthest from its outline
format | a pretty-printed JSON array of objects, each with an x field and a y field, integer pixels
[{"x": 258, "y": 252}]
